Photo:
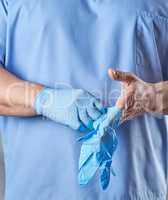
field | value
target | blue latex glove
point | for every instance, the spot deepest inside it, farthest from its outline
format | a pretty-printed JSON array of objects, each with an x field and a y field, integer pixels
[
  {"x": 75, "y": 108},
  {"x": 98, "y": 148}
]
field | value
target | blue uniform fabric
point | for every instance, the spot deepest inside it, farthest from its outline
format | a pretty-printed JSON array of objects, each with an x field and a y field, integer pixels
[{"x": 73, "y": 43}]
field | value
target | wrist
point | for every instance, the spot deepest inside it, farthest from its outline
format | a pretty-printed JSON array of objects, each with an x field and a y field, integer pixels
[
  {"x": 149, "y": 98},
  {"x": 23, "y": 94},
  {"x": 161, "y": 99},
  {"x": 35, "y": 90},
  {"x": 157, "y": 98}
]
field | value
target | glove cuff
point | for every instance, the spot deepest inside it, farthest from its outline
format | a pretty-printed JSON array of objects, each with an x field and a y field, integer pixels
[{"x": 41, "y": 100}]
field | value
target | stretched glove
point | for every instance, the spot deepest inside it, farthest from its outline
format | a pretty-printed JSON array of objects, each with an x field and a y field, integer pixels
[
  {"x": 98, "y": 148},
  {"x": 75, "y": 108}
]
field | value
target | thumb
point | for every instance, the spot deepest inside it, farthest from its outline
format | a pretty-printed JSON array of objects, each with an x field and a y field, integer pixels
[{"x": 121, "y": 76}]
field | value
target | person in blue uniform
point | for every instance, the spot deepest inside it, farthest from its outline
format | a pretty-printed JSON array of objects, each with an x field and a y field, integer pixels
[{"x": 54, "y": 58}]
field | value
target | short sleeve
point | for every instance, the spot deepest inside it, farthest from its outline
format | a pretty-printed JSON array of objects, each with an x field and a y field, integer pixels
[{"x": 3, "y": 25}]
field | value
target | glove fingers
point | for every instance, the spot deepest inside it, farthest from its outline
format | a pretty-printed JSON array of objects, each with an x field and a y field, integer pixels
[
  {"x": 93, "y": 112},
  {"x": 105, "y": 175},
  {"x": 99, "y": 106},
  {"x": 87, "y": 149},
  {"x": 88, "y": 171},
  {"x": 69, "y": 119},
  {"x": 85, "y": 119}
]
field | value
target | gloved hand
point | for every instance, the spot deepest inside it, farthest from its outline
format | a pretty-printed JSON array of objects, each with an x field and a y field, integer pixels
[
  {"x": 75, "y": 108},
  {"x": 98, "y": 148}
]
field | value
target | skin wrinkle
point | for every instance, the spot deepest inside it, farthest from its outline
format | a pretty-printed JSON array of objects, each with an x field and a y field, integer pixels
[
  {"x": 139, "y": 97},
  {"x": 161, "y": 97}
]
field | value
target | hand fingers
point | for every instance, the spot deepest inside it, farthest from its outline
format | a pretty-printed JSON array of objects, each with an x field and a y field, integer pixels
[
  {"x": 130, "y": 103},
  {"x": 130, "y": 117},
  {"x": 120, "y": 103},
  {"x": 121, "y": 76}
]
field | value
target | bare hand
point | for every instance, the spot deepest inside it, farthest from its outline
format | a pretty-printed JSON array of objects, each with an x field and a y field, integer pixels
[{"x": 137, "y": 96}]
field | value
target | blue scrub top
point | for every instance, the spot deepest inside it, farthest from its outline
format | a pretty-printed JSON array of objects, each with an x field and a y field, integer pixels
[{"x": 72, "y": 43}]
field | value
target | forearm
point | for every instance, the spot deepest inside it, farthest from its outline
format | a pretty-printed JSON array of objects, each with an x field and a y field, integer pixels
[
  {"x": 16, "y": 95},
  {"x": 158, "y": 99}
]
